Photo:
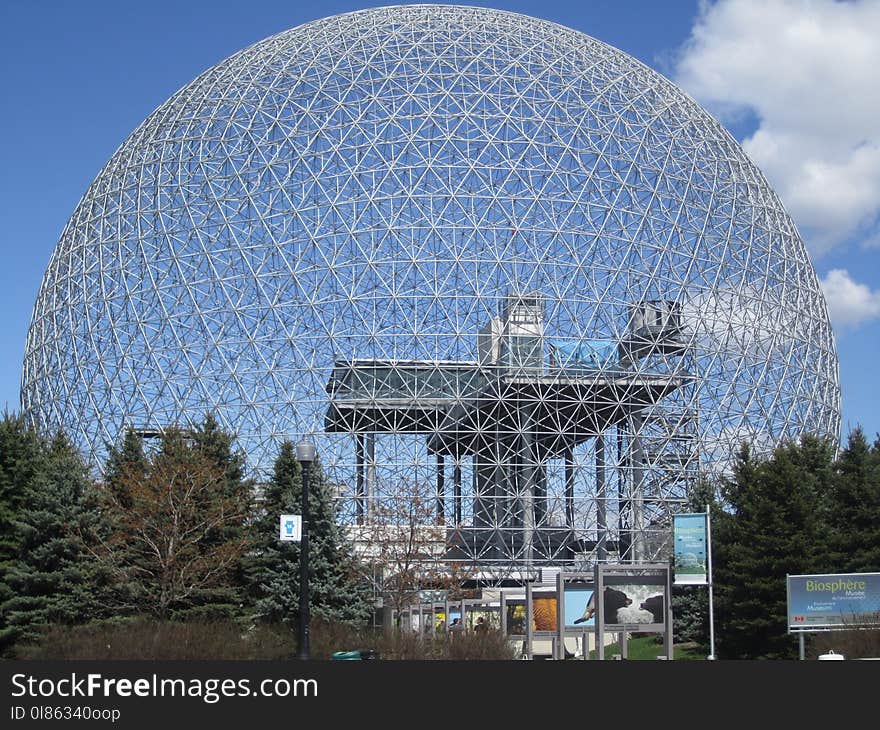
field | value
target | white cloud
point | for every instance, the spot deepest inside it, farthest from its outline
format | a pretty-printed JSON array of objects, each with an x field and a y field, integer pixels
[
  {"x": 849, "y": 303},
  {"x": 741, "y": 321},
  {"x": 808, "y": 72}
]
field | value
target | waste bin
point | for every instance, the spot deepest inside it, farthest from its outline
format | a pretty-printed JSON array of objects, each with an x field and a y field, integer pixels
[{"x": 355, "y": 655}]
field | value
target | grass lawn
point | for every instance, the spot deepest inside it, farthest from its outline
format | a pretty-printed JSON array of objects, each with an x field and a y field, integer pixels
[{"x": 647, "y": 647}]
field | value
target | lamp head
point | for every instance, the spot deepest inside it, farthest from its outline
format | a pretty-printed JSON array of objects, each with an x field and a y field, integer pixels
[{"x": 305, "y": 452}]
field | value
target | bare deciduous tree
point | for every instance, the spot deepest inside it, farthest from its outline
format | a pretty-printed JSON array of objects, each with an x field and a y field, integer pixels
[
  {"x": 168, "y": 545},
  {"x": 405, "y": 545}
]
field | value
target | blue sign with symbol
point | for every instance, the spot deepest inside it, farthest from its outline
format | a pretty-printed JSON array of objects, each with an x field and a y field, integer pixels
[{"x": 291, "y": 528}]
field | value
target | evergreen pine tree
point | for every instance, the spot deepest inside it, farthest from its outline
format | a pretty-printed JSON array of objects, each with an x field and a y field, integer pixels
[
  {"x": 269, "y": 560},
  {"x": 853, "y": 509},
  {"x": 121, "y": 461},
  {"x": 336, "y": 592},
  {"x": 226, "y": 599},
  {"x": 337, "y": 588},
  {"x": 21, "y": 458},
  {"x": 219, "y": 446},
  {"x": 55, "y": 581},
  {"x": 126, "y": 462},
  {"x": 772, "y": 528}
]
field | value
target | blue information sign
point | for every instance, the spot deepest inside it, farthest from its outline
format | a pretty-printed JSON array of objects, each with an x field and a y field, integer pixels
[{"x": 833, "y": 601}]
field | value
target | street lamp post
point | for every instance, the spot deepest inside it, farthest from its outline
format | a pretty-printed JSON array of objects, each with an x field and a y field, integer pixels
[{"x": 305, "y": 455}]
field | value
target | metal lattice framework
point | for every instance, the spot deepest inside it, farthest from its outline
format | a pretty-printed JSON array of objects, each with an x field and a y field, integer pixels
[{"x": 469, "y": 252}]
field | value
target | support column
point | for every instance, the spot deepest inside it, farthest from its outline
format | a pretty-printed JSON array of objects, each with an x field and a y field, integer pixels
[
  {"x": 501, "y": 494},
  {"x": 359, "y": 486},
  {"x": 371, "y": 473},
  {"x": 639, "y": 549},
  {"x": 601, "y": 519},
  {"x": 530, "y": 617},
  {"x": 569, "y": 488},
  {"x": 484, "y": 487},
  {"x": 624, "y": 475},
  {"x": 526, "y": 488},
  {"x": 505, "y": 482},
  {"x": 456, "y": 487},
  {"x": 441, "y": 489},
  {"x": 540, "y": 491}
]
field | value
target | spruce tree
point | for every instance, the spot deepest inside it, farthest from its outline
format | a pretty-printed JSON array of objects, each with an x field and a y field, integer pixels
[
  {"x": 218, "y": 446},
  {"x": 772, "y": 528},
  {"x": 126, "y": 462},
  {"x": 121, "y": 461},
  {"x": 336, "y": 591},
  {"x": 55, "y": 581},
  {"x": 21, "y": 457},
  {"x": 853, "y": 509}
]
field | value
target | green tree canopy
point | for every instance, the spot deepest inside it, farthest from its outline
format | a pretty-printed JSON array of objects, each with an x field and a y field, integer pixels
[
  {"x": 771, "y": 527},
  {"x": 337, "y": 592},
  {"x": 123, "y": 461},
  {"x": 853, "y": 509},
  {"x": 54, "y": 579},
  {"x": 21, "y": 457}
]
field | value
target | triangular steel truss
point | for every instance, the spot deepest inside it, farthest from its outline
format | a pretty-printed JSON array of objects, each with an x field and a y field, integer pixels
[{"x": 337, "y": 225}]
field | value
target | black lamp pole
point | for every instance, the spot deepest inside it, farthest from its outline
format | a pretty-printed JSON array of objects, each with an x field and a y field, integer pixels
[{"x": 305, "y": 455}]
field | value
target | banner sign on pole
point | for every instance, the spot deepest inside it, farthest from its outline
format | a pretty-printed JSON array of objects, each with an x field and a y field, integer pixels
[
  {"x": 689, "y": 546},
  {"x": 291, "y": 528},
  {"x": 842, "y": 601}
]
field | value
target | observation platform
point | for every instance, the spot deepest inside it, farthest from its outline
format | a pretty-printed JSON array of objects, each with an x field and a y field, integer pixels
[{"x": 464, "y": 408}]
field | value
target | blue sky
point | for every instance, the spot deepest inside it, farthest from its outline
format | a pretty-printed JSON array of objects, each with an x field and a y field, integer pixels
[{"x": 784, "y": 76}]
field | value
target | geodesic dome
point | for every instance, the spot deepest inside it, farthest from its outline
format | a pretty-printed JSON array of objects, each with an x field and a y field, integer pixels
[{"x": 468, "y": 252}]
